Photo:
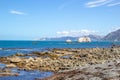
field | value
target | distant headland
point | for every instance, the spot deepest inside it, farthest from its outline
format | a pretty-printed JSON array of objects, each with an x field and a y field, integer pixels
[{"x": 112, "y": 36}]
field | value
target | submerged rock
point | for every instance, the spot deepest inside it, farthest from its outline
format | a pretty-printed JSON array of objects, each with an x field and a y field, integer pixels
[{"x": 7, "y": 72}]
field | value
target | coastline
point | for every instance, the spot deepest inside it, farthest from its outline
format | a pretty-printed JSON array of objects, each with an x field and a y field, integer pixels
[
  {"x": 64, "y": 61},
  {"x": 109, "y": 70}
]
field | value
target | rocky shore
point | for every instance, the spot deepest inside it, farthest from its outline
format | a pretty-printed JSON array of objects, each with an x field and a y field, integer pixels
[
  {"x": 110, "y": 70},
  {"x": 65, "y": 61},
  {"x": 7, "y": 72}
]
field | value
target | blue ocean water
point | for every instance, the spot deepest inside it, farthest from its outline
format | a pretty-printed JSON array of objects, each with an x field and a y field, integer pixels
[
  {"x": 53, "y": 44},
  {"x": 12, "y": 47},
  {"x": 27, "y": 75}
]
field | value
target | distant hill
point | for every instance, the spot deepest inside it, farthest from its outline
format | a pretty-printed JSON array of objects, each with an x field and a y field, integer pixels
[
  {"x": 113, "y": 36},
  {"x": 59, "y": 38},
  {"x": 92, "y": 37},
  {"x": 95, "y": 37}
]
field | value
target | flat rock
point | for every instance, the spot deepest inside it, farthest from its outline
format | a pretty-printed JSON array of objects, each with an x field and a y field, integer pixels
[
  {"x": 15, "y": 59},
  {"x": 11, "y": 66}
]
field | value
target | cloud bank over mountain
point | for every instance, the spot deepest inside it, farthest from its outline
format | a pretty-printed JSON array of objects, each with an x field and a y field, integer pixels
[{"x": 77, "y": 33}]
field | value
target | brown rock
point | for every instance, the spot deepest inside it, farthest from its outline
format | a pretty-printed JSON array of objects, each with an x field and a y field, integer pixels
[
  {"x": 15, "y": 59},
  {"x": 11, "y": 66}
]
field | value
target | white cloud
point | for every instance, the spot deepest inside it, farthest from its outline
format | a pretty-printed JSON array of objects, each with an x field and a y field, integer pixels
[
  {"x": 63, "y": 32},
  {"x": 76, "y": 33},
  {"x": 17, "y": 12},
  {"x": 87, "y": 32},
  {"x": 97, "y": 3},
  {"x": 114, "y": 4}
]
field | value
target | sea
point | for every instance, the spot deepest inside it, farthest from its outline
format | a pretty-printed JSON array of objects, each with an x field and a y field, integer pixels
[{"x": 11, "y": 47}]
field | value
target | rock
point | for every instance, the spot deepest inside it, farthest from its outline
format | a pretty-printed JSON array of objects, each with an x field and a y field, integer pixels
[
  {"x": 19, "y": 54},
  {"x": 15, "y": 59},
  {"x": 4, "y": 70},
  {"x": 95, "y": 78},
  {"x": 31, "y": 59},
  {"x": 11, "y": 66},
  {"x": 84, "y": 39},
  {"x": 62, "y": 59},
  {"x": 8, "y": 74}
]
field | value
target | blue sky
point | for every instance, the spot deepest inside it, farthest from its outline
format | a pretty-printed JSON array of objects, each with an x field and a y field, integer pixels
[{"x": 32, "y": 19}]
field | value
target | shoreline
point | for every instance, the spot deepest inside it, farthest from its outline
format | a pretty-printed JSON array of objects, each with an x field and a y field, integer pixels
[
  {"x": 61, "y": 60},
  {"x": 110, "y": 70}
]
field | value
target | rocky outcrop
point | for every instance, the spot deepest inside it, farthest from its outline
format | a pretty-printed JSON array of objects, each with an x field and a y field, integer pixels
[
  {"x": 11, "y": 66},
  {"x": 61, "y": 59},
  {"x": 84, "y": 39},
  {"x": 15, "y": 59},
  {"x": 108, "y": 70},
  {"x": 91, "y": 36},
  {"x": 68, "y": 41}
]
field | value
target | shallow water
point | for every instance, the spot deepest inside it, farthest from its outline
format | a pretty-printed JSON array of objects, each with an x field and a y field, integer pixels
[
  {"x": 26, "y": 75},
  {"x": 2, "y": 65},
  {"x": 8, "y": 52}
]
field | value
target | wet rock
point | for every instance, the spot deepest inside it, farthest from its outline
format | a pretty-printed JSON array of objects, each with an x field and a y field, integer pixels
[
  {"x": 7, "y": 72},
  {"x": 15, "y": 59},
  {"x": 20, "y": 54},
  {"x": 3, "y": 70},
  {"x": 63, "y": 59},
  {"x": 11, "y": 66}
]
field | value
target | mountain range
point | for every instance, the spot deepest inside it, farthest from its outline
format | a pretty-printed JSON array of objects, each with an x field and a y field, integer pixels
[
  {"x": 92, "y": 37},
  {"x": 112, "y": 36}
]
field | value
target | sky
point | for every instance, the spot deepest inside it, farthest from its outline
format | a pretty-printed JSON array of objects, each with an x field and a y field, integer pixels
[{"x": 33, "y": 19}]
